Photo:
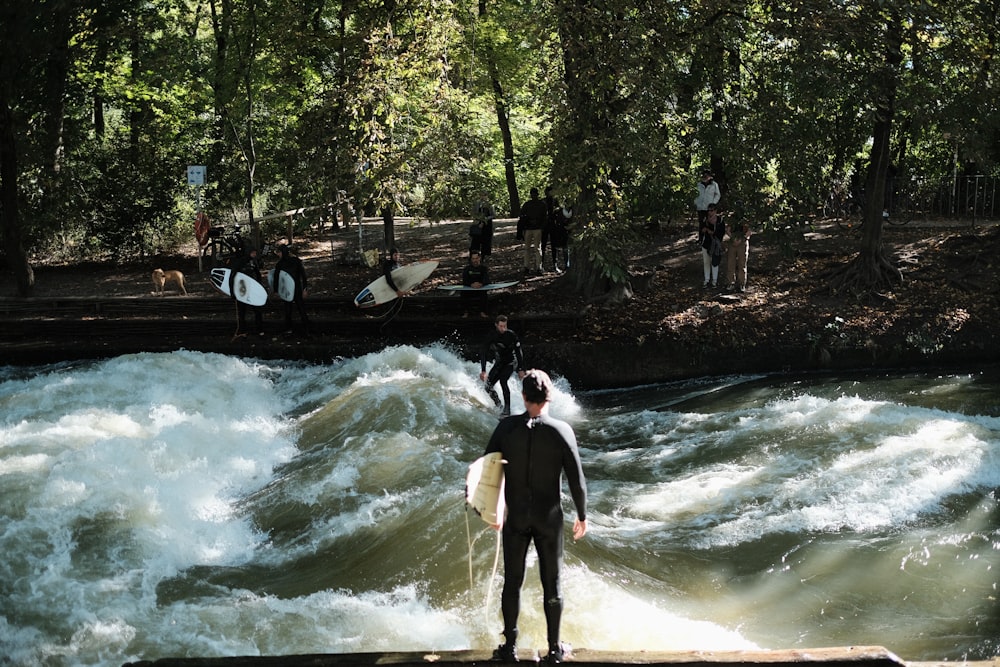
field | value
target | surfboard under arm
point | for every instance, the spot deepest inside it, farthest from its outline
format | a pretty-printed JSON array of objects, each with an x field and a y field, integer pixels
[{"x": 484, "y": 488}]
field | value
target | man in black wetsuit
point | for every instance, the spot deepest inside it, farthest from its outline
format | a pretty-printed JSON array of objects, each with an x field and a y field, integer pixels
[
  {"x": 390, "y": 264},
  {"x": 504, "y": 347},
  {"x": 475, "y": 274},
  {"x": 249, "y": 265},
  {"x": 537, "y": 449},
  {"x": 293, "y": 266}
]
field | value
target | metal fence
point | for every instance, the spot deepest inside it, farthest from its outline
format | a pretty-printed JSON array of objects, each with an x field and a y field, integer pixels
[{"x": 967, "y": 198}]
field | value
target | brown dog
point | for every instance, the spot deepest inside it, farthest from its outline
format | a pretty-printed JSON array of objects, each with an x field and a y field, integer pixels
[{"x": 161, "y": 278}]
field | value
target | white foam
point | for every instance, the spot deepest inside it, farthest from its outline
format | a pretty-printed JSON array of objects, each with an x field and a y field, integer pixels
[{"x": 191, "y": 504}]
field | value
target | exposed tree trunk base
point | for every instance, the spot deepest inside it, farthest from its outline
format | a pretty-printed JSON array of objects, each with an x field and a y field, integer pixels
[
  {"x": 866, "y": 273},
  {"x": 618, "y": 294}
]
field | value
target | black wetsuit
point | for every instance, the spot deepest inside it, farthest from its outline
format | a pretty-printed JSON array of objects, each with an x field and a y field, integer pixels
[
  {"x": 537, "y": 452},
  {"x": 475, "y": 274},
  {"x": 251, "y": 267},
  {"x": 388, "y": 266},
  {"x": 505, "y": 349},
  {"x": 294, "y": 267}
]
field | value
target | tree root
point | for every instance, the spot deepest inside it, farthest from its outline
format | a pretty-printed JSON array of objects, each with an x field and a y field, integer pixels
[{"x": 866, "y": 274}]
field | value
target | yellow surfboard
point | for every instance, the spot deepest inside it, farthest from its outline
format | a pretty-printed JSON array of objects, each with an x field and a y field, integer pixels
[{"x": 484, "y": 488}]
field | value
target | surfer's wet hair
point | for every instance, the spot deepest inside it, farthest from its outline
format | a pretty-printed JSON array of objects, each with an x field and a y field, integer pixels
[{"x": 536, "y": 387}]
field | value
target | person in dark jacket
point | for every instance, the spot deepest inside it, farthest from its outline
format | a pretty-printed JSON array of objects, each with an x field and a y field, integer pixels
[
  {"x": 537, "y": 451},
  {"x": 529, "y": 228},
  {"x": 481, "y": 231},
  {"x": 292, "y": 265},
  {"x": 475, "y": 274},
  {"x": 713, "y": 231},
  {"x": 504, "y": 347},
  {"x": 249, "y": 265},
  {"x": 390, "y": 264}
]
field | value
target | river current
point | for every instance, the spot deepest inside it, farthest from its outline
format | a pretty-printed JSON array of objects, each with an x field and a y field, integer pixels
[{"x": 190, "y": 504}]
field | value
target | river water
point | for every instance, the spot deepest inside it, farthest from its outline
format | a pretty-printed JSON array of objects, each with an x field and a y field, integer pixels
[{"x": 190, "y": 504}]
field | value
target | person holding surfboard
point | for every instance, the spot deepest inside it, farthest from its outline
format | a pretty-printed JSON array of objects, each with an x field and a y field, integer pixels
[
  {"x": 504, "y": 347},
  {"x": 390, "y": 264},
  {"x": 537, "y": 451},
  {"x": 292, "y": 265},
  {"x": 248, "y": 265}
]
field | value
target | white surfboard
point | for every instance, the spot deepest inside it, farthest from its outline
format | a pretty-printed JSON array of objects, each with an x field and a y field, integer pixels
[
  {"x": 484, "y": 488},
  {"x": 284, "y": 287},
  {"x": 245, "y": 288},
  {"x": 484, "y": 288},
  {"x": 406, "y": 278}
]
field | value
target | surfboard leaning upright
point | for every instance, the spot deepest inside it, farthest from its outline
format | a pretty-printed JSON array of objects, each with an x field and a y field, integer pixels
[
  {"x": 406, "y": 278},
  {"x": 484, "y": 484}
]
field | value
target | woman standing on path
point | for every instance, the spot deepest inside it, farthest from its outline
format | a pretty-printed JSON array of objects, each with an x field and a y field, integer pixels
[{"x": 713, "y": 230}]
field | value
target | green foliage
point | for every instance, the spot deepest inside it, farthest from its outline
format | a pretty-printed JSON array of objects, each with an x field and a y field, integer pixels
[
  {"x": 618, "y": 105},
  {"x": 605, "y": 236}
]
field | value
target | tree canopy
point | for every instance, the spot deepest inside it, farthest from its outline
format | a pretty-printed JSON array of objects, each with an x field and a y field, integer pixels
[{"x": 415, "y": 106}]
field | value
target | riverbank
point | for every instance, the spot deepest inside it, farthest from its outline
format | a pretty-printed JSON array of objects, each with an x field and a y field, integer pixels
[{"x": 672, "y": 328}]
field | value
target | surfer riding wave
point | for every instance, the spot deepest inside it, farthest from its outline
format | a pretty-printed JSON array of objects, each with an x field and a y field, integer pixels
[{"x": 504, "y": 347}]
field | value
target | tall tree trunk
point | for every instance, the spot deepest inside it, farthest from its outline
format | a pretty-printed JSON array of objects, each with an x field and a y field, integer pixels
[
  {"x": 503, "y": 122},
  {"x": 56, "y": 68},
  {"x": 10, "y": 218},
  {"x": 250, "y": 152},
  {"x": 388, "y": 228},
  {"x": 586, "y": 125},
  {"x": 871, "y": 269}
]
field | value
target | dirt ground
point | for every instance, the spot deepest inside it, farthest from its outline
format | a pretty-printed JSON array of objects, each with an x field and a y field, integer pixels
[{"x": 945, "y": 309}]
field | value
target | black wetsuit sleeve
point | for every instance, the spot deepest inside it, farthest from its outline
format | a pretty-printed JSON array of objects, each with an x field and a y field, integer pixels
[
  {"x": 272, "y": 282},
  {"x": 301, "y": 270},
  {"x": 518, "y": 353},
  {"x": 484, "y": 355},
  {"x": 387, "y": 272},
  {"x": 573, "y": 469},
  {"x": 499, "y": 433}
]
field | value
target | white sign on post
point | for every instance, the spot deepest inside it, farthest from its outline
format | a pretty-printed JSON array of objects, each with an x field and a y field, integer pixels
[{"x": 196, "y": 175}]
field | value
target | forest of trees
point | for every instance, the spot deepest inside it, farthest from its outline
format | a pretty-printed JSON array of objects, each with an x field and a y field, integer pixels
[{"x": 412, "y": 107}]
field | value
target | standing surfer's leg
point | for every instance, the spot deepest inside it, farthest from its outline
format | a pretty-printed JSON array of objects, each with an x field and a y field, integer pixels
[
  {"x": 549, "y": 545},
  {"x": 515, "y": 551},
  {"x": 505, "y": 374},
  {"x": 491, "y": 380}
]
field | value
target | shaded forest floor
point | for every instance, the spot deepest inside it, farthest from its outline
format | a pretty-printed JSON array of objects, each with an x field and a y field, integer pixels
[{"x": 945, "y": 308}]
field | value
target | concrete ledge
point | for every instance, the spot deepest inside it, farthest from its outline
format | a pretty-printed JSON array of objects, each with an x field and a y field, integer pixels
[{"x": 852, "y": 656}]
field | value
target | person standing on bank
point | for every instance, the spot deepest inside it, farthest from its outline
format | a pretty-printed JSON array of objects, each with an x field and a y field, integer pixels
[
  {"x": 504, "y": 347},
  {"x": 537, "y": 450},
  {"x": 390, "y": 264},
  {"x": 529, "y": 227},
  {"x": 551, "y": 209},
  {"x": 737, "y": 256},
  {"x": 292, "y": 265},
  {"x": 250, "y": 266},
  {"x": 713, "y": 231},
  {"x": 475, "y": 274},
  {"x": 708, "y": 193},
  {"x": 559, "y": 236},
  {"x": 482, "y": 220}
]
